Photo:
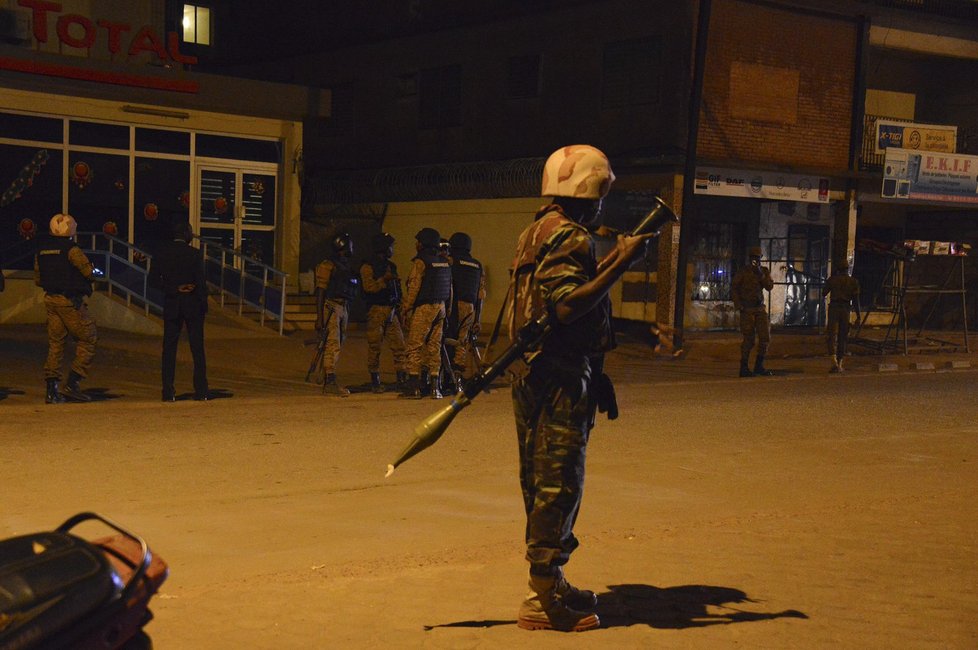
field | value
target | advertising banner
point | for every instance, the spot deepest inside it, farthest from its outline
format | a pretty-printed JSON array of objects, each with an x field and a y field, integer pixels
[
  {"x": 930, "y": 176},
  {"x": 908, "y": 135},
  {"x": 718, "y": 181}
]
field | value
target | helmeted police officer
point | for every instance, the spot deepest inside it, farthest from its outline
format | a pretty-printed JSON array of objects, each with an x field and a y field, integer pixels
[
  {"x": 65, "y": 273},
  {"x": 382, "y": 293},
  {"x": 429, "y": 288},
  {"x": 469, "y": 292},
  {"x": 336, "y": 286}
]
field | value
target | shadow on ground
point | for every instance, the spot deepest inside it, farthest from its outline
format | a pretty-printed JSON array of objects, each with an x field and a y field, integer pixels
[{"x": 668, "y": 608}]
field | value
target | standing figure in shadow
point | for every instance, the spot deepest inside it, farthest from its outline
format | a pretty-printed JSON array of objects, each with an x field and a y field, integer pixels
[{"x": 178, "y": 268}]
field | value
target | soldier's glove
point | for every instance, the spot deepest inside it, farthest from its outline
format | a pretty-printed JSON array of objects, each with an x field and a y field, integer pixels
[{"x": 604, "y": 395}]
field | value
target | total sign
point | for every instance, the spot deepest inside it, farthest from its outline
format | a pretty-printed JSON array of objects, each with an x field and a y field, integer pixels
[
  {"x": 78, "y": 31},
  {"x": 761, "y": 185}
]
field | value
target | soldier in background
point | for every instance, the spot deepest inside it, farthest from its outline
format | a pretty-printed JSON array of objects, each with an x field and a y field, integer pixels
[
  {"x": 382, "y": 293},
  {"x": 469, "y": 292},
  {"x": 336, "y": 286},
  {"x": 65, "y": 274},
  {"x": 555, "y": 272},
  {"x": 429, "y": 288},
  {"x": 844, "y": 290},
  {"x": 178, "y": 269},
  {"x": 747, "y": 291}
]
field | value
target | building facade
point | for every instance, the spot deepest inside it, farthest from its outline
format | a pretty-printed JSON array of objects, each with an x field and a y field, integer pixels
[{"x": 104, "y": 115}]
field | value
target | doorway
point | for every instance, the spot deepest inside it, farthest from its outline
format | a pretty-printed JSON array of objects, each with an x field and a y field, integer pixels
[{"x": 236, "y": 208}]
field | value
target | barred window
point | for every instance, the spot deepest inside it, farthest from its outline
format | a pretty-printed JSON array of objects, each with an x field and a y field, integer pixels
[
  {"x": 714, "y": 244},
  {"x": 631, "y": 73}
]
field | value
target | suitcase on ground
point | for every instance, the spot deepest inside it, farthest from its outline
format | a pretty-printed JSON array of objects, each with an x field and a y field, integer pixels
[{"x": 58, "y": 590}]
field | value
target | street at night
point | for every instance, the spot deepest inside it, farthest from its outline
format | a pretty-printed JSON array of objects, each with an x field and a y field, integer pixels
[{"x": 800, "y": 510}]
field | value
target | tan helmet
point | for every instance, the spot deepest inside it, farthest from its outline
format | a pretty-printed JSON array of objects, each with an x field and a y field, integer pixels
[
  {"x": 63, "y": 225},
  {"x": 755, "y": 251},
  {"x": 577, "y": 171}
]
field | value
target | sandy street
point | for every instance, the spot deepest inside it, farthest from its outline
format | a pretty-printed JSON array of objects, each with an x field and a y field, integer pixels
[{"x": 797, "y": 511}]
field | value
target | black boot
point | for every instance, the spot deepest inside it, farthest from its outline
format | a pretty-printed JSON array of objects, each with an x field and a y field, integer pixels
[
  {"x": 759, "y": 368},
  {"x": 412, "y": 388},
  {"x": 424, "y": 383},
  {"x": 402, "y": 378},
  {"x": 435, "y": 385},
  {"x": 72, "y": 390},
  {"x": 375, "y": 384},
  {"x": 744, "y": 370},
  {"x": 53, "y": 396},
  {"x": 331, "y": 387}
]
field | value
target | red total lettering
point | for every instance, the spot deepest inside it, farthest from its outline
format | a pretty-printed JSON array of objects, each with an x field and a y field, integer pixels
[
  {"x": 64, "y": 34},
  {"x": 115, "y": 32},
  {"x": 39, "y": 9},
  {"x": 174, "y": 42},
  {"x": 146, "y": 40}
]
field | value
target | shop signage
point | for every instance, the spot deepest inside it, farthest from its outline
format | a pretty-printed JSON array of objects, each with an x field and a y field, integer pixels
[
  {"x": 930, "y": 176},
  {"x": 718, "y": 181},
  {"x": 78, "y": 31},
  {"x": 909, "y": 135}
]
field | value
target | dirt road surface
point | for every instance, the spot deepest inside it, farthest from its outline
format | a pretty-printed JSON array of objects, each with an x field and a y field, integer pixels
[{"x": 798, "y": 511}]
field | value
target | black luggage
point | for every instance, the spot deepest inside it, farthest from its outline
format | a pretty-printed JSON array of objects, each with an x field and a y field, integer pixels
[{"x": 58, "y": 590}]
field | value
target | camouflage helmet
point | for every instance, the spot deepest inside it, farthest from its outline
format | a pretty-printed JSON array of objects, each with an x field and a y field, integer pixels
[
  {"x": 461, "y": 241},
  {"x": 755, "y": 251},
  {"x": 342, "y": 243},
  {"x": 63, "y": 225},
  {"x": 428, "y": 237},
  {"x": 577, "y": 171},
  {"x": 381, "y": 242}
]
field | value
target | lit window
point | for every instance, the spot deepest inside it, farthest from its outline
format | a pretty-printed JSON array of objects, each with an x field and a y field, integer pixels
[{"x": 196, "y": 24}]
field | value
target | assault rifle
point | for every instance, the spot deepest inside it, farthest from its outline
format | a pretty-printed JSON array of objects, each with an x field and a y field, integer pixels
[{"x": 528, "y": 338}]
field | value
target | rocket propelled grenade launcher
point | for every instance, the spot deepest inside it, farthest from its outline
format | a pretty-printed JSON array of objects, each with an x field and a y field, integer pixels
[{"x": 528, "y": 338}]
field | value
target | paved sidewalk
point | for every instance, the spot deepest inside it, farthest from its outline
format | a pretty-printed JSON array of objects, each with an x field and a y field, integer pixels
[{"x": 249, "y": 360}]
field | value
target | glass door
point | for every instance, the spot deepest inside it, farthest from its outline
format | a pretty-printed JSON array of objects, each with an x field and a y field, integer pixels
[{"x": 236, "y": 209}]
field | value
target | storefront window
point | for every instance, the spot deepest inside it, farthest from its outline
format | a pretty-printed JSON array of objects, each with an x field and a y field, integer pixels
[
  {"x": 98, "y": 192},
  {"x": 162, "y": 198},
  {"x": 161, "y": 141},
  {"x": 219, "y": 146},
  {"x": 30, "y": 183},
  {"x": 714, "y": 247},
  {"x": 96, "y": 134},
  {"x": 29, "y": 127}
]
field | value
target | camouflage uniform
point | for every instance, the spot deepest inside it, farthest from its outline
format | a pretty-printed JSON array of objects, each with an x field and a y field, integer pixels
[
  {"x": 468, "y": 307},
  {"x": 554, "y": 402},
  {"x": 424, "y": 306},
  {"x": 335, "y": 313},
  {"x": 747, "y": 291},
  {"x": 844, "y": 291},
  {"x": 382, "y": 322}
]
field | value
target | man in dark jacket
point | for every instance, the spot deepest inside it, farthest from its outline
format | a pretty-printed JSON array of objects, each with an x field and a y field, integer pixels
[
  {"x": 65, "y": 274},
  {"x": 178, "y": 268}
]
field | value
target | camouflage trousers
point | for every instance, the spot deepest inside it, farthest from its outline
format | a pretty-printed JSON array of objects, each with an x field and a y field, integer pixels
[
  {"x": 553, "y": 423},
  {"x": 424, "y": 338},
  {"x": 837, "y": 330},
  {"x": 382, "y": 325},
  {"x": 334, "y": 321},
  {"x": 463, "y": 352},
  {"x": 67, "y": 316},
  {"x": 754, "y": 323}
]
